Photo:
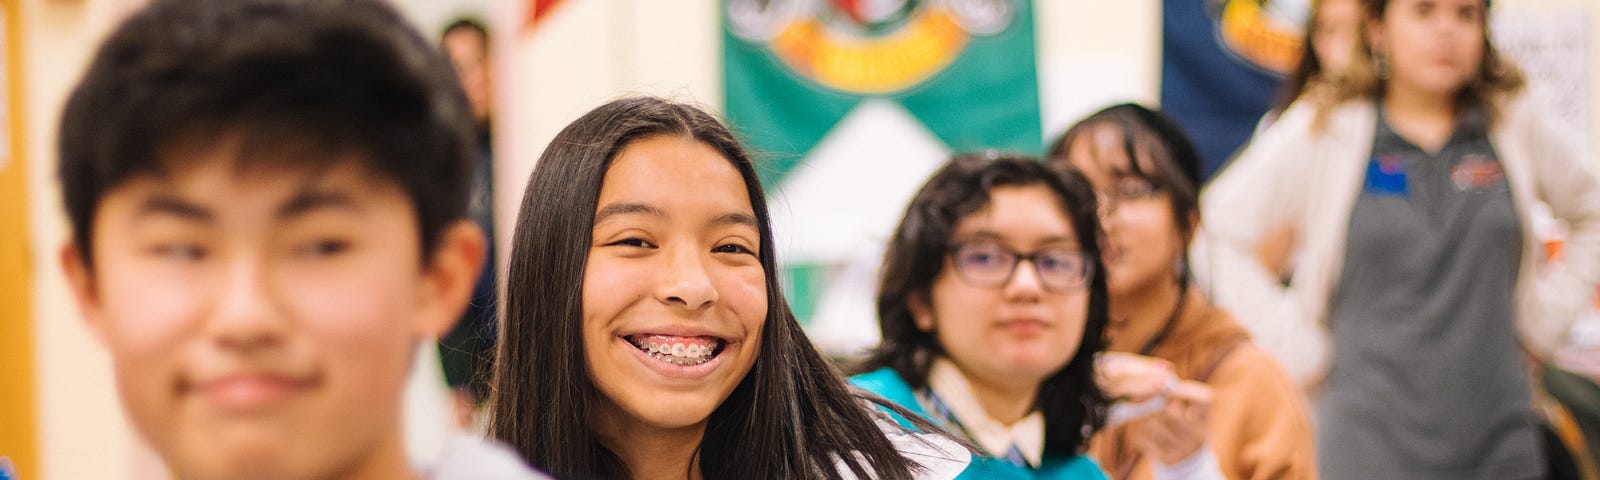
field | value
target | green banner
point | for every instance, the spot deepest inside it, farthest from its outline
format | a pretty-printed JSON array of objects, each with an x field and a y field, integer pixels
[{"x": 964, "y": 68}]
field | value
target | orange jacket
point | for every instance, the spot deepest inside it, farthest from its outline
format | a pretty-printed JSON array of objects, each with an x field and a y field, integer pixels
[{"x": 1259, "y": 422}]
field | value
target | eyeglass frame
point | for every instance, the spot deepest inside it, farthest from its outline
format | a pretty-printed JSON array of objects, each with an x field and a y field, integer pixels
[
  {"x": 1109, "y": 202},
  {"x": 1017, "y": 258}
]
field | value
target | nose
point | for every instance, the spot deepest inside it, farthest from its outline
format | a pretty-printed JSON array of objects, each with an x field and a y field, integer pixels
[
  {"x": 1106, "y": 204},
  {"x": 246, "y": 316},
  {"x": 1024, "y": 283},
  {"x": 686, "y": 282}
]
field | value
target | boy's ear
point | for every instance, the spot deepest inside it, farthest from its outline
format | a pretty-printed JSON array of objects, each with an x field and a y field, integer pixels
[
  {"x": 921, "y": 310},
  {"x": 80, "y": 280},
  {"x": 449, "y": 276}
]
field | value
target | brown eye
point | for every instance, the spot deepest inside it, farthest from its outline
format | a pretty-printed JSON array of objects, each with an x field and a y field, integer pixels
[
  {"x": 323, "y": 248},
  {"x": 632, "y": 242},
  {"x": 732, "y": 248},
  {"x": 183, "y": 252},
  {"x": 1133, "y": 189}
]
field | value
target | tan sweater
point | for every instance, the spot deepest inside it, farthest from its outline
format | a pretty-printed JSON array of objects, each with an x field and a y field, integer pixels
[{"x": 1259, "y": 424}]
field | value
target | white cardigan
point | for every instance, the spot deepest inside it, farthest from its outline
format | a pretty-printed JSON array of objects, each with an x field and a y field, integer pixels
[{"x": 1292, "y": 176}]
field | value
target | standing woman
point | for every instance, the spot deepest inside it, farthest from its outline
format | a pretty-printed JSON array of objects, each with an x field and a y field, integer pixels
[
  {"x": 992, "y": 307},
  {"x": 1147, "y": 173},
  {"x": 1421, "y": 282},
  {"x": 645, "y": 332}
]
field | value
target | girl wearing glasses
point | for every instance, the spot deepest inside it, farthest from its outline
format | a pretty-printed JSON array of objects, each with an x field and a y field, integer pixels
[
  {"x": 1255, "y": 424},
  {"x": 991, "y": 313}
]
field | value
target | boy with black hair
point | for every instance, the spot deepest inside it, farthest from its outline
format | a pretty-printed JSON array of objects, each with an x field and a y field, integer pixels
[{"x": 268, "y": 200}]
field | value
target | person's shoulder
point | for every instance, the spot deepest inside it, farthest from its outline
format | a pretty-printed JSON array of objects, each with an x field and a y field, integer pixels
[
  {"x": 1254, "y": 377},
  {"x": 480, "y": 459},
  {"x": 1318, "y": 115},
  {"x": 937, "y": 457},
  {"x": 933, "y": 455},
  {"x": 1070, "y": 467},
  {"x": 884, "y": 382},
  {"x": 1076, "y": 467}
]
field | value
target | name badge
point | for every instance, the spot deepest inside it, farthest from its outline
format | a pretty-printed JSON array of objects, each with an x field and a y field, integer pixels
[{"x": 1386, "y": 175}]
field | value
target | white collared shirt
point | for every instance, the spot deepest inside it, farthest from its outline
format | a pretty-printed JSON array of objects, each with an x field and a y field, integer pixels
[{"x": 952, "y": 388}]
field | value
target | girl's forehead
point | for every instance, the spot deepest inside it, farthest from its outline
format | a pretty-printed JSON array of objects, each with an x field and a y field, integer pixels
[{"x": 1106, "y": 152}]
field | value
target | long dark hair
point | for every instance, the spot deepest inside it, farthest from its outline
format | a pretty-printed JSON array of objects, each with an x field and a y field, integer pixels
[
  {"x": 791, "y": 417},
  {"x": 1072, "y": 404}
]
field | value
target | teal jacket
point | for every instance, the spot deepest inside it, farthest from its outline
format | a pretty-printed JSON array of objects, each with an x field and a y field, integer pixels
[{"x": 888, "y": 384}]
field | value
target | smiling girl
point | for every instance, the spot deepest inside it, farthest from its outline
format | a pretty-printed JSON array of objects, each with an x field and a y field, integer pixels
[{"x": 646, "y": 335}]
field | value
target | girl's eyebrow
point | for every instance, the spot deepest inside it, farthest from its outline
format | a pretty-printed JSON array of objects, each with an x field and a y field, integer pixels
[
  {"x": 634, "y": 208},
  {"x": 738, "y": 218},
  {"x": 627, "y": 208}
]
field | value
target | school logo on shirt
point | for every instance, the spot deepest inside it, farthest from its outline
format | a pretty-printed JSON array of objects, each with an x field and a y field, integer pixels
[{"x": 1477, "y": 173}]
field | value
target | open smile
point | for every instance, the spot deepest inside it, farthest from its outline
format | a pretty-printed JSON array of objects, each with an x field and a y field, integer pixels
[{"x": 677, "y": 350}]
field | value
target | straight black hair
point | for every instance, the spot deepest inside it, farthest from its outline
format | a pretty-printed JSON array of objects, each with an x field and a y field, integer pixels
[
  {"x": 1072, "y": 404},
  {"x": 791, "y": 417},
  {"x": 301, "y": 83}
]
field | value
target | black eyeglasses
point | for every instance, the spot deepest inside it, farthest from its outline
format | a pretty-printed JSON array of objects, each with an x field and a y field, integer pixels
[
  {"x": 1126, "y": 190},
  {"x": 989, "y": 264}
]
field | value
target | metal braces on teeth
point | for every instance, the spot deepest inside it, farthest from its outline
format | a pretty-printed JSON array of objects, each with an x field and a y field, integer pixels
[{"x": 678, "y": 354}]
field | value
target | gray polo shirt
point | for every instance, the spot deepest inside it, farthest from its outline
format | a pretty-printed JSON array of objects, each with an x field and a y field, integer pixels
[{"x": 1427, "y": 380}]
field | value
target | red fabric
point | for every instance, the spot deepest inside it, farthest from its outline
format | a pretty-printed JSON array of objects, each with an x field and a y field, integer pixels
[{"x": 537, "y": 10}]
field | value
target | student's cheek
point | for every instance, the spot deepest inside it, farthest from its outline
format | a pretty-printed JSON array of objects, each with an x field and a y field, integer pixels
[
  {"x": 744, "y": 290},
  {"x": 152, "y": 312},
  {"x": 1073, "y": 309},
  {"x": 611, "y": 284},
  {"x": 362, "y": 309}
]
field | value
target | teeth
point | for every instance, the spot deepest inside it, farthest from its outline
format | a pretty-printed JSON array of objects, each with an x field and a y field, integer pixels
[{"x": 676, "y": 353}]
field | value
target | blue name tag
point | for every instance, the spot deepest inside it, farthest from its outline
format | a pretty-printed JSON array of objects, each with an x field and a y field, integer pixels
[{"x": 1386, "y": 175}]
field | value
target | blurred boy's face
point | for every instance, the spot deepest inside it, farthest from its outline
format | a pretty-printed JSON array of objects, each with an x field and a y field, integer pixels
[{"x": 262, "y": 324}]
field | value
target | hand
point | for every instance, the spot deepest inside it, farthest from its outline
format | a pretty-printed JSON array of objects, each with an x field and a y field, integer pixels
[
  {"x": 1132, "y": 378},
  {"x": 1179, "y": 429},
  {"x": 1273, "y": 250}
]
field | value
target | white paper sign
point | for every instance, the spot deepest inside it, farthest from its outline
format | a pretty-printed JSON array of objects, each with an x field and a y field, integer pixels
[{"x": 1552, "y": 48}]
